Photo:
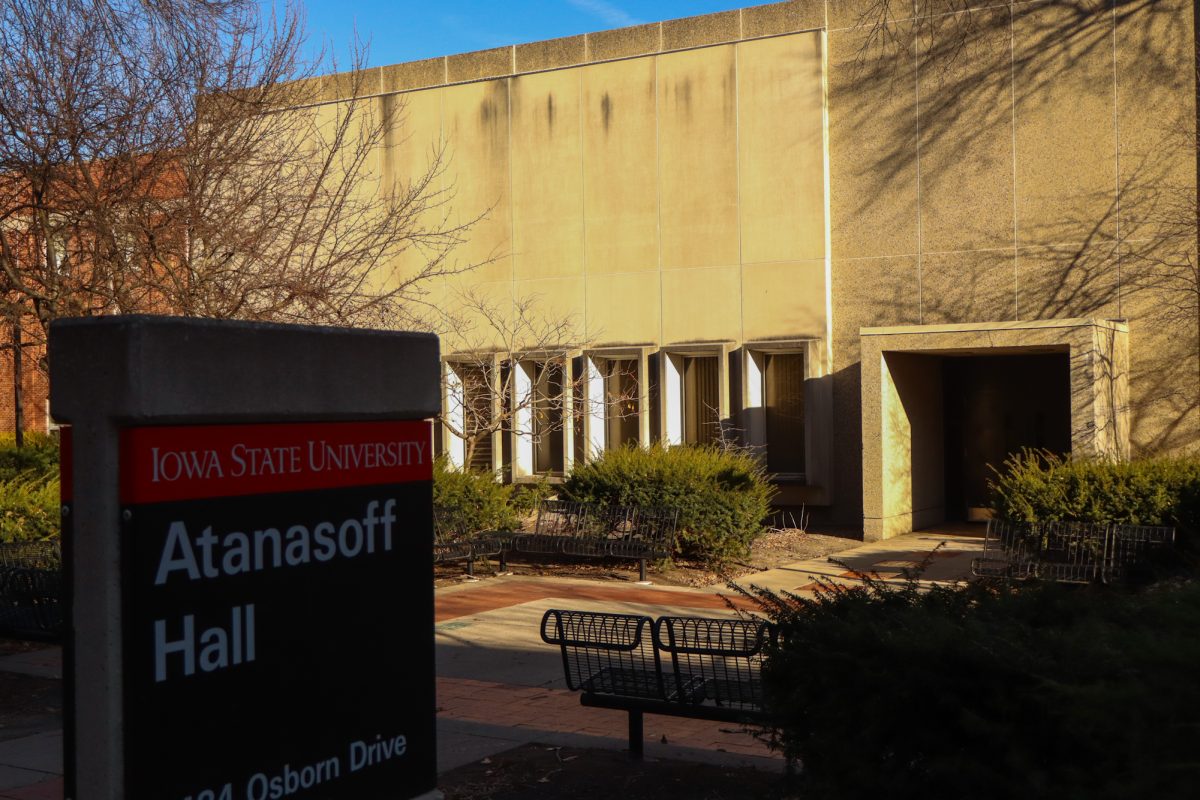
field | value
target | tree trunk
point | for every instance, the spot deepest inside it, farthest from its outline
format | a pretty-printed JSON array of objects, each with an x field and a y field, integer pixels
[{"x": 18, "y": 394}]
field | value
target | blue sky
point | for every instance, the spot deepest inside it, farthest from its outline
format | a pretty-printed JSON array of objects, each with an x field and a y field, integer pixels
[{"x": 407, "y": 30}]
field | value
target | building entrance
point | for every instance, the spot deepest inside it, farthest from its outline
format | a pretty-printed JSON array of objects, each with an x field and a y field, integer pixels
[
  {"x": 942, "y": 402},
  {"x": 993, "y": 407}
]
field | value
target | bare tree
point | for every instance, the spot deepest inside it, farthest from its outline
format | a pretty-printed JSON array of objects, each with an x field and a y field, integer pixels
[
  {"x": 513, "y": 372},
  {"x": 176, "y": 157}
]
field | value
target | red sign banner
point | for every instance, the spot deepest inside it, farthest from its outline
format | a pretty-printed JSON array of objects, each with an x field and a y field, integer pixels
[{"x": 162, "y": 464}]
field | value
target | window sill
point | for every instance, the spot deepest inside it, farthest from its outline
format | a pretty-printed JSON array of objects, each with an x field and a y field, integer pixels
[{"x": 553, "y": 480}]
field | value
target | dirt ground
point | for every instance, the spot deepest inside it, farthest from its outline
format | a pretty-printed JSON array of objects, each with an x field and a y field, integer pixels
[
  {"x": 23, "y": 696},
  {"x": 538, "y": 772},
  {"x": 780, "y": 546}
]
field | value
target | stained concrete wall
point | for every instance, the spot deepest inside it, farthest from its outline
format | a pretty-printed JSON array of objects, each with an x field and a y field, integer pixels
[
  {"x": 808, "y": 169},
  {"x": 627, "y": 194}
]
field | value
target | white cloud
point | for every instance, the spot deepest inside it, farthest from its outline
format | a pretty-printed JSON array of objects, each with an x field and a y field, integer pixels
[{"x": 606, "y": 12}]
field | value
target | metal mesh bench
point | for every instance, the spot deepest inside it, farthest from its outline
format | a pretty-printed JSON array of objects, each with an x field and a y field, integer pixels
[
  {"x": 678, "y": 666},
  {"x": 564, "y": 527},
  {"x": 1067, "y": 552},
  {"x": 31, "y": 589},
  {"x": 609, "y": 531},
  {"x": 449, "y": 546}
]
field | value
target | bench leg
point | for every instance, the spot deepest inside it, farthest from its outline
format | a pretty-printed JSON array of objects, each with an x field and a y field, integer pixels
[{"x": 635, "y": 735}]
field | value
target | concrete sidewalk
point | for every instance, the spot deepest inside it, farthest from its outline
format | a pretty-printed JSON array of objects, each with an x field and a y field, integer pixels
[{"x": 499, "y": 686}]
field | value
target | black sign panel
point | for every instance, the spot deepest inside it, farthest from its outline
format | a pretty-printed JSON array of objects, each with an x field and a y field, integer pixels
[{"x": 278, "y": 612}]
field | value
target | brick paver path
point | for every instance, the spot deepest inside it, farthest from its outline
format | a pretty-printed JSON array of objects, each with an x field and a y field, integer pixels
[{"x": 558, "y": 710}]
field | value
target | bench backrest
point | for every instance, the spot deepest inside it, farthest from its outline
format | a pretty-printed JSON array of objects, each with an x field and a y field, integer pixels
[
  {"x": 571, "y": 519},
  {"x": 680, "y": 659},
  {"x": 560, "y": 518},
  {"x": 606, "y": 653},
  {"x": 655, "y": 527},
  {"x": 1072, "y": 551},
  {"x": 33, "y": 555},
  {"x": 726, "y": 656}
]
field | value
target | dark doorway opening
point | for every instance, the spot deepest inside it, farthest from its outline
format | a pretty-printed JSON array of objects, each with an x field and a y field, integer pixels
[{"x": 994, "y": 407}]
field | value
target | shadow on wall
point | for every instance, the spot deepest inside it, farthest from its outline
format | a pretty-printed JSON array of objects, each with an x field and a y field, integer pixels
[{"x": 1010, "y": 111}]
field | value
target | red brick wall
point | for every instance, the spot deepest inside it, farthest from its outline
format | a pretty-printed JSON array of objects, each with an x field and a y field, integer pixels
[{"x": 34, "y": 383}]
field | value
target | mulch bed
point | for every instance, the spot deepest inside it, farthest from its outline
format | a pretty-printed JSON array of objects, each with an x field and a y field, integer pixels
[
  {"x": 538, "y": 772},
  {"x": 774, "y": 548},
  {"x": 24, "y": 697}
]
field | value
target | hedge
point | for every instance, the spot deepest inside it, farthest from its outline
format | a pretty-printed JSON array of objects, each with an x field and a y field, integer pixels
[
  {"x": 29, "y": 494},
  {"x": 1034, "y": 486},
  {"x": 722, "y": 496},
  {"x": 38, "y": 458},
  {"x": 988, "y": 692},
  {"x": 467, "y": 502}
]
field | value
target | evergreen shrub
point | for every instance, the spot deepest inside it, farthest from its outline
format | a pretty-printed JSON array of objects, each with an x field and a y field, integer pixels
[
  {"x": 29, "y": 509},
  {"x": 467, "y": 502},
  {"x": 1034, "y": 486},
  {"x": 39, "y": 456},
  {"x": 988, "y": 692},
  {"x": 29, "y": 494},
  {"x": 722, "y": 496}
]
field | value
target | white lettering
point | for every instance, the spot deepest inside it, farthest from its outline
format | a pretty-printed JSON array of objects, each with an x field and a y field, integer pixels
[
  {"x": 177, "y": 539},
  {"x": 219, "y": 647},
  {"x": 163, "y": 648},
  {"x": 364, "y": 754},
  {"x": 210, "y": 555}
]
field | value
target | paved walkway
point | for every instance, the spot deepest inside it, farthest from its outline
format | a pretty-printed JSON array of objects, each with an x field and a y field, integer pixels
[{"x": 500, "y": 687}]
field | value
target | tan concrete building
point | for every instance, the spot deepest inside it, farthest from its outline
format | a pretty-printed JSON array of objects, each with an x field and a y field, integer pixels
[{"x": 887, "y": 250}]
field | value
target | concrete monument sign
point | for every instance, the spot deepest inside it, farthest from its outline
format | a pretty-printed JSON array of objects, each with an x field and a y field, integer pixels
[{"x": 248, "y": 539}]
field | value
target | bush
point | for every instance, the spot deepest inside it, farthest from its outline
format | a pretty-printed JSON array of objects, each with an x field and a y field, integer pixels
[
  {"x": 29, "y": 496},
  {"x": 1035, "y": 486},
  {"x": 985, "y": 692},
  {"x": 29, "y": 509},
  {"x": 722, "y": 496},
  {"x": 38, "y": 458},
  {"x": 466, "y": 502}
]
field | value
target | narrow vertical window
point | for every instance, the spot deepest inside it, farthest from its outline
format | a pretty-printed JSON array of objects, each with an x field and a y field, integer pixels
[
  {"x": 783, "y": 396},
  {"x": 477, "y": 402},
  {"x": 701, "y": 399},
  {"x": 548, "y": 418},
  {"x": 621, "y": 403}
]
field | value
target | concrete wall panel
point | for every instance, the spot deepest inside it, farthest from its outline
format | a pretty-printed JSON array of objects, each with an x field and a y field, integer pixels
[
  {"x": 1164, "y": 384},
  {"x": 872, "y": 147},
  {"x": 697, "y": 108},
  {"x": 783, "y": 299},
  {"x": 781, "y": 148},
  {"x": 972, "y": 286},
  {"x": 1065, "y": 131},
  {"x": 777, "y": 18},
  {"x": 476, "y": 130},
  {"x": 1068, "y": 281},
  {"x": 473, "y": 315},
  {"x": 620, "y": 154},
  {"x": 966, "y": 131},
  {"x": 555, "y": 304},
  {"x": 409, "y": 153},
  {"x": 623, "y": 308},
  {"x": 697, "y": 305},
  {"x": 1156, "y": 107},
  {"x": 547, "y": 176}
]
